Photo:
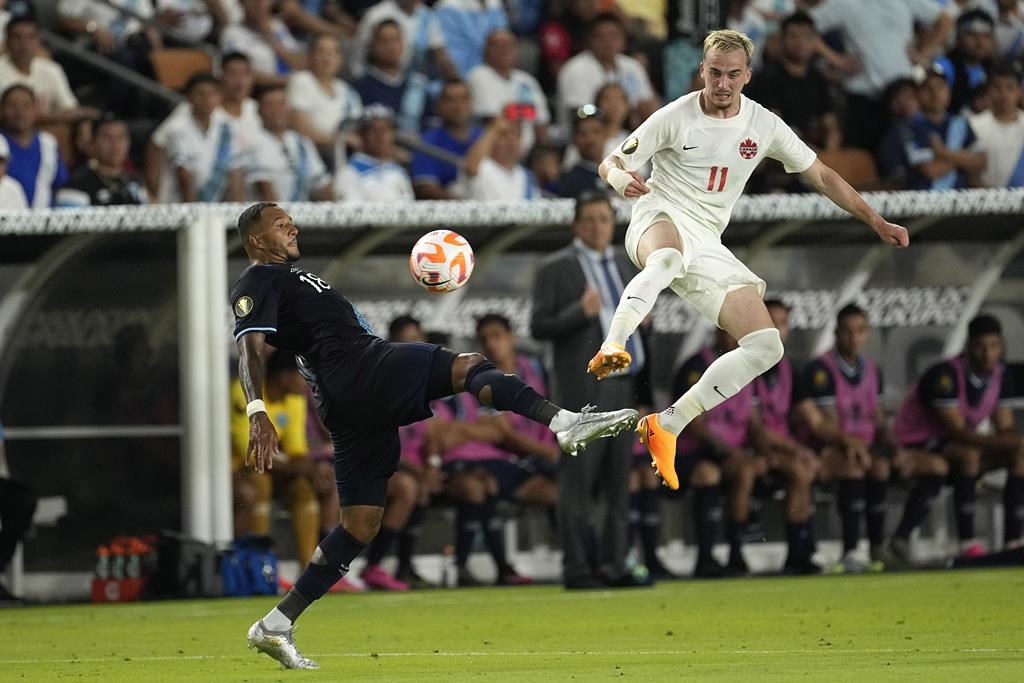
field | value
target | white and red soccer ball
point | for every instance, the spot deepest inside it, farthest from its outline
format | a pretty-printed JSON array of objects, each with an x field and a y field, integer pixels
[{"x": 441, "y": 261}]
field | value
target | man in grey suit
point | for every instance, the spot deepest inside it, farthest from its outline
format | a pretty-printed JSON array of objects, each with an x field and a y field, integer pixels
[{"x": 575, "y": 293}]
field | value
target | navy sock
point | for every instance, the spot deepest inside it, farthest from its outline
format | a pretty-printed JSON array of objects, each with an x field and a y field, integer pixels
[
  {"x": 874, "y": 510},
  {"x": 918, "y": 504},
  {"x": 330, "y": 562},
  {"x": 408, "y": 538},
  {"x": 707, "y": 517},
  {"x": 634, "y": 517},
  {"x": 850, "y": 500},
  {"x": 650, "y": 524},
  {"x": 380, "y": 545},
  {"x": 467, "y": 524},
  {"x": 965, "y": 500},
  {"x": 494, "y": 533},
  {"x": 798, "y": 536},
  {"x": 1013, "y": 508},
  {"x": 734, "y": 532},
  {"x": 508, "y": 392}
]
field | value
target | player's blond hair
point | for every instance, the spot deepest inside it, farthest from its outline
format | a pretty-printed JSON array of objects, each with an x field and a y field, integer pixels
[{"x": 727, "y": 40}]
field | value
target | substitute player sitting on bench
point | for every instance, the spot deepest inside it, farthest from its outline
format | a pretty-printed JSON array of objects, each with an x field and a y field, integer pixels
[
  {"x": 942, "y": 417},
  {"x": 844, "y": 418},
  {"x": 712, "y": 447}
]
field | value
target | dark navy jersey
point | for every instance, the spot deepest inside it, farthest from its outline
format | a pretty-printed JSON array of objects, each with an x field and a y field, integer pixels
[
  {"x": 301, "y": 314},
  {"x": 940, "y": 387}
]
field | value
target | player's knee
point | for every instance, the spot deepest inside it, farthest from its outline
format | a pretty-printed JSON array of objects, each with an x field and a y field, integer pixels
[
  {"x": 969, "y": 462},
  {"x": 666, "y": 259},
  {"x": 763, "y": 347},
  {"x": 402, "y": 486},
  {"x": 880, "y": 469},
  {"x": 705, "y": 474}
]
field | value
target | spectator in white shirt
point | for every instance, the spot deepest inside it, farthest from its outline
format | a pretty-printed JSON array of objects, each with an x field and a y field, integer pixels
[
  {"x": 241, "y": 110},
  {"x": 492, "y": 171},
  {"x": 496, "y": 84},
  {"x": 421, "y": 35},
  {"x": 123, "y": 38},
  {"x": 372, "y": 174},
  {"x": 266, "y": 41},
  {"x": 202, "y": 159},
  {"x": 24, "y": 63},
  {"x": 323, "y": 106},
  {"x": 198, "y": 19},
  {"x": 604, "y": 62},
  {"x": 11, "y": 194},
  {"x": 1001, "y": 131},
  {"x": 1009, "y": 29},
  {"x": 286, "y": 166}
]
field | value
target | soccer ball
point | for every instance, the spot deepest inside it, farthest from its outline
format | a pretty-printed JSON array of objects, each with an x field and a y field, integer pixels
[{"x": 441, "y": 261}]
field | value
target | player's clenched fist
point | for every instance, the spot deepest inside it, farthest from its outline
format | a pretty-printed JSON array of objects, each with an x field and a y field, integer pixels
[{"x": 892, "y": 234}]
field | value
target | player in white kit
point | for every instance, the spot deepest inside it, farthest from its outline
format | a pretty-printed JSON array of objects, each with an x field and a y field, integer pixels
[{"x": 704, "y": 147}]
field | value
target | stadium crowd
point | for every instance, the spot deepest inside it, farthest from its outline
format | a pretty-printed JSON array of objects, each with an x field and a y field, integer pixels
[{"x": 484, "y": 99}]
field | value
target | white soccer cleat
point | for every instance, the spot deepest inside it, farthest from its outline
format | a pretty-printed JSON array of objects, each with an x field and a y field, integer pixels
[
  {"x": 280, "y": 645},
  {"x": 590, "y": 426}
]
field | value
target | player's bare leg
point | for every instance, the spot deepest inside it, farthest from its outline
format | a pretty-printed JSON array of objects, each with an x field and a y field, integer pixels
[
  {"x": 744, "y": 316},
  {"x": 660, "y": 251}
]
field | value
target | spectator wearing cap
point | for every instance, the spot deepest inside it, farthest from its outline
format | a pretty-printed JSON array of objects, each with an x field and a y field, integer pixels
[
  {"x": 943, "y": 152},
  {"x": 23, "y": 62},
  {"x": 466, "y": 25},
  {"x": 285, "y": 165},
  {"x": 588, "y": 137},
  {"x": 272, "y": 50},
  {"x": 385, "y": 81},
  {"x": 792, "y": 88},
  {"x": 423, "y": 40},
  {"x": 372, "y": 175},
  {"x": 604, "y": 62},
  {"x": 105, "y": 179},
  {"x": 202, "y": 160},
  {"x": 492, "y": 171},
  {"x": 11, "y": 194},
  {"x": 1001, "y": 131},
  {"x": 433, "y": 177},
  {"x": 968, "y": 64},
  {"x": 35, "y": 160},
  {"x": 880, "y": 35},
  {"x": 323, "y": 106},
  {"x": 497, "y": 86}
]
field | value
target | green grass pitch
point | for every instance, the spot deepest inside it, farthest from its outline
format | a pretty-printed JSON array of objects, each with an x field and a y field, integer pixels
[{"x": 936, "y": 626}]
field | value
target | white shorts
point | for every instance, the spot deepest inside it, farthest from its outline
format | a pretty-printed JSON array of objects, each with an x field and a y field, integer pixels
[{"x": 710, "y": 270}]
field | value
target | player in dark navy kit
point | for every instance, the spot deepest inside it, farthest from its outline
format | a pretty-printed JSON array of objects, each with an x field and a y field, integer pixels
[{"x": 365, "y": 389}]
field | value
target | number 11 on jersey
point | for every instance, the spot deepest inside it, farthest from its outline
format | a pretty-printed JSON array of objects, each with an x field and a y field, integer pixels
[{"x": 721, "y": 182}]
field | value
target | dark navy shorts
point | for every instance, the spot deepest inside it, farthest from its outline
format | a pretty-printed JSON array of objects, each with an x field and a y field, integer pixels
[
  {"x": 363, "y": 421},
  {"x": 510, "y": 473}
]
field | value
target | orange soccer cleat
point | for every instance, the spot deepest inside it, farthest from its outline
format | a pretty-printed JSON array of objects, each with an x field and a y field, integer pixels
[
  {"x": 609, "y": 359},
  {"x": 662, "y": 445}
]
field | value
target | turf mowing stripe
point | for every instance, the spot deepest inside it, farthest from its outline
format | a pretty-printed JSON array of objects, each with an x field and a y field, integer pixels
[{"x": 560, "y": 653}]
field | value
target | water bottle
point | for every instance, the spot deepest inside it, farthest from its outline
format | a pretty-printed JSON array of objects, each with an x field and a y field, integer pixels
[
  {"x": 133, "y": 564},
  {"x": 449, "y": 574},
  {"x": 117, "y": 561},
  {"x": 103, "y": 562}
]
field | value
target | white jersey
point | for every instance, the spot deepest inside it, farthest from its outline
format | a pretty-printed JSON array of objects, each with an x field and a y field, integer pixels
[{"x": 701, "y": 164}]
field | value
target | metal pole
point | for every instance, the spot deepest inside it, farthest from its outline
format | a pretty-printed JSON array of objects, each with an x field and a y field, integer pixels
[
  {"x": 218, "y": 394},
  {"x": 195, "y": 371}
]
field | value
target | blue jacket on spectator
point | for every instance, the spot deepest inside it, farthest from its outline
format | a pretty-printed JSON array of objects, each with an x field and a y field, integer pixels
[
  {"x": 955, "y": 132},
  {"x": 427, "y": 168}
]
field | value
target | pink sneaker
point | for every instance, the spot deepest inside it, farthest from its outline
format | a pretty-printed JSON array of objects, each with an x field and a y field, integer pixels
[
  {"x": 510, "y": 577},
  {"x": 973, "y": 550},
  {"x": 343, "y": 585},
  {"x": 377, "y": 578}
]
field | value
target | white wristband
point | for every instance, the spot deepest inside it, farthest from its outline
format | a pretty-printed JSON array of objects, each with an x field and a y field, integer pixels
[
  {"x": 619, "y": 179},
  {"x": 257, "y": 406}
]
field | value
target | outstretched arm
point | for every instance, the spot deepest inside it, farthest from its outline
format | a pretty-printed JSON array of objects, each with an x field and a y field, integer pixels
[
  {"x": 829, "y": 183},
  {"x": 626, "y": 183},
  {"x": 263, "y": 445}
]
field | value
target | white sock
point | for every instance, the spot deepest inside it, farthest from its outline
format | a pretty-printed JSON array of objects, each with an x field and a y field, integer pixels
[
  {"x": 758, "y": 351},
  {"x": 276, "y": 621},
  {"x": 662, "y": 266},
  {"x": 563, "y": 420}
]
